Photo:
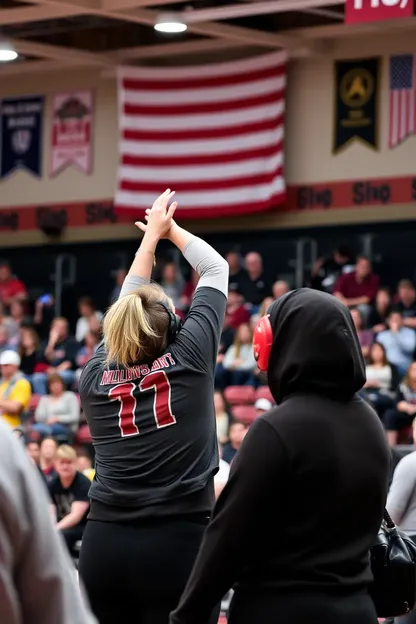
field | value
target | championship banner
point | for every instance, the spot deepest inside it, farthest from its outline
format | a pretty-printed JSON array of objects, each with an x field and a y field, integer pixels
[
  {"x": 72, "y": 131},
  {"x": 358, "y": 11},
  {"x": 356, "y": 107},
  {"x": 21, "y": 135}
]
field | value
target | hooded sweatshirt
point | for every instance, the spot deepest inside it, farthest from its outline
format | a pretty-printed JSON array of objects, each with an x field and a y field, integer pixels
[{"x": 308, "y": 486}]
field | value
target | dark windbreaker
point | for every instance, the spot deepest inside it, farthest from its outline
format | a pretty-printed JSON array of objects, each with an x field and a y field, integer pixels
[{"x": 307, "y": 489}]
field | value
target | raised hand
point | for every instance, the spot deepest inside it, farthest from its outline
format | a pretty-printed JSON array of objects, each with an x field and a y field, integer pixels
[{"x": 159, "y": 217}]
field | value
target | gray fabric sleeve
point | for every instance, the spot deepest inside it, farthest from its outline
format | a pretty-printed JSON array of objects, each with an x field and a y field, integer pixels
[
  {"x": 402, "y": 489},
  {"x": 38, "y": 583},
  {"x": 210, "y": 266},
  {"x": 132, "y": 283}
]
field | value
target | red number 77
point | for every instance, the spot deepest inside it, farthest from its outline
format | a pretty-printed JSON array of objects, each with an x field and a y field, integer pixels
[{"x": 162, "y": 410}]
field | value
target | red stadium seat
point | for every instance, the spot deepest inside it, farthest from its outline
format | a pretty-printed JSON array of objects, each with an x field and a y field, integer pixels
[
  {"x": 83, "y": 436},
  {"x": 34, "y": 401},
  {"x": 244, "y": 413},
  {"x": 239, "y": 395},
  {"x": 264, "y": 393}
]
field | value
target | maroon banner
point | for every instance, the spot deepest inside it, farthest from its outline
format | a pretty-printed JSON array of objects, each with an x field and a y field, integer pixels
[{"x": 357, "y": 11}]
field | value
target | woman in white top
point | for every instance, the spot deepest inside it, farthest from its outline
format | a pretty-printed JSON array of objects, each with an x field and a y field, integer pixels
[
  {"x": 87, "y": 312},
  {"x": 58, "y": 412},
  {"x": 239, "y": 363},
  {"x": 222, "y": 417},
  {"x": 382, "y": 380}
]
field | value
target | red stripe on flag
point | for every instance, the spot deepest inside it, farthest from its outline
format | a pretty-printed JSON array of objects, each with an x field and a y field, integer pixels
[
  {"x": 201, "y": 159},
  {"x": 201, "y": 185},
  {"x": 137, "y": 84},
  {"x": 170, "y": 110},
  {"x": 203, "y": 133}
]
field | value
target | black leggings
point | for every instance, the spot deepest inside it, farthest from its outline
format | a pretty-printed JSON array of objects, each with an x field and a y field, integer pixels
[{"x": 136, "y": 573}]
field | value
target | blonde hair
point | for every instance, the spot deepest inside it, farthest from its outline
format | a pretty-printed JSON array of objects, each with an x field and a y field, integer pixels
[
  {"x": 237, "y": 340},
  {"x": 135, "y": 327},
  {"x": 66, "y": 452}
]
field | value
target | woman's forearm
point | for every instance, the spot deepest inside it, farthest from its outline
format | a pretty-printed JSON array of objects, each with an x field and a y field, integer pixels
[{"x": 142, "y": 266}]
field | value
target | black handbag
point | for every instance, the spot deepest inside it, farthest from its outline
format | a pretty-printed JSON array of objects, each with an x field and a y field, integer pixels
[{"x": 393, "y": 563}]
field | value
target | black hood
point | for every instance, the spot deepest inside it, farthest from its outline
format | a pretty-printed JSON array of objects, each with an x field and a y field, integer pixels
[{"x": 315, "y": 347}]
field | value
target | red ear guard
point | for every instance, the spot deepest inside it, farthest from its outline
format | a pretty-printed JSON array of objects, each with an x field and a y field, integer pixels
[{"x": 262, "y": 342}]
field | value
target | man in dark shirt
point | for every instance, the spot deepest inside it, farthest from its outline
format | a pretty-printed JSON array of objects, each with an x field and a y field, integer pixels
[
  {"x": 69, "y": 494},
  {"x": 406, "y": 303},
  {"x": 326, "y": 270},
  {"x": 358, "y": 289},
  {"x": 237, "y": 275},
  {"x": 257, "y": 287}
]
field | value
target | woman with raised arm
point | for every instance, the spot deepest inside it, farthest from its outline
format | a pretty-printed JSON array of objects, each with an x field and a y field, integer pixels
[{"x": 148, "y": 398}]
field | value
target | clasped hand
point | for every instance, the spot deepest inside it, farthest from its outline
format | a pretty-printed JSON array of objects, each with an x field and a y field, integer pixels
[{"x": 159, "y": 218}]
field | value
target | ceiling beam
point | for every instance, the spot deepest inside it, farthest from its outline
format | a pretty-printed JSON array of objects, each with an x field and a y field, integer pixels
[
  {"x": 29, "y": 14},
  {"x": 180, "y": 48},
  {"x": 60, "y": 53},
  {"x": 31, "y": 67},
  {"x": 110, "y": 5}
]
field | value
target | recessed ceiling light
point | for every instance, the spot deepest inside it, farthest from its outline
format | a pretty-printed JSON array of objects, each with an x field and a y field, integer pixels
[
  {"x": 170, "y": 23},
  {"x": 7, "y": 54}
]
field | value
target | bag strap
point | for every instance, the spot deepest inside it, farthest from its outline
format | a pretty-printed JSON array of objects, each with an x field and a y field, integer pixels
[{"x": 387, "y": 519}]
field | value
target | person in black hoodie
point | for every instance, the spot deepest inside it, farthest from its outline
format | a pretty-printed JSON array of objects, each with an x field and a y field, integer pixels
[{"x": 292, "y": 528}]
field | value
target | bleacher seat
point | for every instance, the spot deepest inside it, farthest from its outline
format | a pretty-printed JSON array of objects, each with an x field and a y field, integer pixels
[
  {"x": 239, "y": 395},
  {"x": 244, "y": 413},
  {"x": 83, "y": 436},
  {"x": 263, "y": 392}
]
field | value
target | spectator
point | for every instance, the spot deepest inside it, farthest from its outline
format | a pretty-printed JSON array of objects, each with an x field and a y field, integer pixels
[
  {"x": 222, "y": 417},
  {"x": 327, "y": 269},
  {"x": 18, "y": 314},
  {"x": 382, "y": 380},
  {"x": 239, "y": 363},
  {"x": 5, "y": 343},
  {"x": 358, "y": 289},
  {"x": 262, "y": 406},
  {"x": 48, "y": 448},
  {"x": 172, "y": 283},
  {"x": 266, "y": 303},
  {"x": 236, "y": 435},
  {"x": 280, "y": 288},
  {"x": 84, "y": 464},
  {"x": 15, "y": 391},
  {"x": 44, "y": 314},
  {"x": 58, "y": 413},
  {"x": 11, "y": 289},
  {"x": 403, "y": 414},
  {"x": 12, "y": 329},
  {"x": 91, "y": 342},
  {"x": 120, "y": 276},
  {"x": 237, "y": 311},
  {"x": 256, "y": 287},
  {"x": 69, "y": 494},
  {"x": 238, "y": 277},
  {"x": 406, "y": 303},
  {"x": 60, "y": 353},
  {"x": 221, "y": 477},
  {"x": 399, "y": 342},
  {"x": 189, "y": 290},
  {"x": 33, "y": 450},
  {"x": 29, "y": 351},
  {"x": 87, "y": 311},
  {"x": 380, "y": 311},
  {"x": 365, "y": 336}
]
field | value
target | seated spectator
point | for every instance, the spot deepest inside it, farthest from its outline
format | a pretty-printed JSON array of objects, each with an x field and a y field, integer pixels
[
  {"x": 380, "y": 311},
  {"x": 48, "y": 448},
  {"x": 226, "y": 340},
  {"x": 86, "y": 309},
  {"x": 403, "y": 414},
  {"x": 69, "y": 494},
  {"x": 33, "y": 451},
  {"x": 237, "y": 311},
  {"x": 12, "y": 329},
  {"x": 262, "y": 311},
  {"x": 358, "y": 289},
  {"x": 256, "y": 287},
  {"x": 221, "y": 477},
  {"x": 399, "y": 342},
  {"x": 15, "y": 390},
  {"x": 189, "y": 290},
  {"x": 327, "y": 269},
  {"x": 401, "y": 502},
  {"x": 239, "y": 364},
  {"x": 262, "y": 406},
  {"x": 60, "y": 354},
  {"x": 406, "y": 302},
  {"x": 5, "y": 343},
  {"x": 84, "y": 464},
  {"x": 172, "y": 283},
  {"x": 18, "y": 314},
  {"x": 31, "y": 360},
  {"x": 237, "y": 277},
  {"x": 91, "y": 342},
  {"x": 365, "y": 336},
  {"x": 44, "y": 314},
  {"x": 280, "y": 288},
  {"x": 222, "y": 417},
  {"x": 382, "y": 380},
  {"x": 57, "y": 414},
  {"x": 11, "y": 288},
  {"x": 236, "y": 436},
  {"x": 120, "y": 276}
]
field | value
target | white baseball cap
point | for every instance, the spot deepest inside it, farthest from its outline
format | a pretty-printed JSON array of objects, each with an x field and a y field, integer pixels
[
  {"x": 263, "y": 404},
  {"x": 10, "y": 357}
]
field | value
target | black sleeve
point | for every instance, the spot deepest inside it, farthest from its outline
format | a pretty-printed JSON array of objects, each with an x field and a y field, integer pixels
[
  {"x": 199, "y": 337},
  {"x": 399, "y": 395},
  {"x": 71, "y": 351},
  {"x": 81, "y": 488},
  {"x": 231, "y": 538},
  {"x": 395, "y": 378}
]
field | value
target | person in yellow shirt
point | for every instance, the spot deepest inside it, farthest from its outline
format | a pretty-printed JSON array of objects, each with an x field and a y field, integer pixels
[{"x": 15, "y": 390}]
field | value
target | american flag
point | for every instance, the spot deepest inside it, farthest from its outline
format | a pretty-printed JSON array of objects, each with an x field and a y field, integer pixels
[
  {"x": 402, "y": 98},
  {"x": 213, "y": 133}
]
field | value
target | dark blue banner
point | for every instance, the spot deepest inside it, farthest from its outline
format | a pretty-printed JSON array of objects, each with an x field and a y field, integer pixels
[{"x": 21, "y": 135}]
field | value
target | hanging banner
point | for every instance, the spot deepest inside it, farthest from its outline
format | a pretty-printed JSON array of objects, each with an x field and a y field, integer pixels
[
  {"x": 356, "y": 107},
  {"x": 72, "y": 123},
  {"x": 21, "y": 135},
  {"x": 357, "y": 11}
]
